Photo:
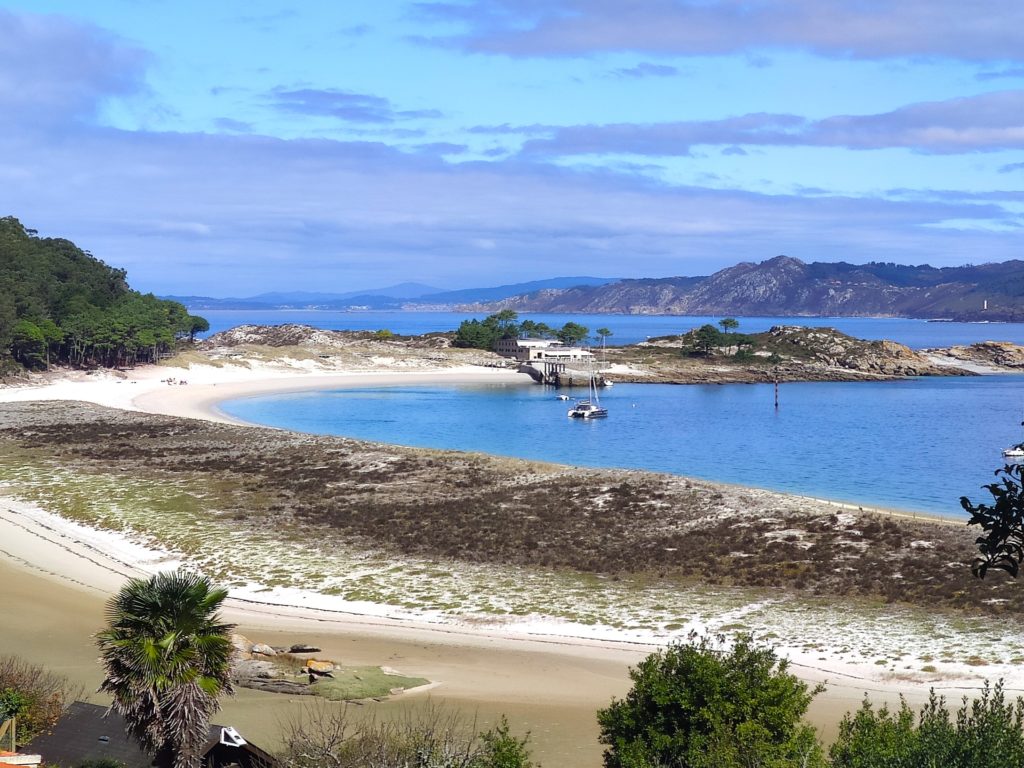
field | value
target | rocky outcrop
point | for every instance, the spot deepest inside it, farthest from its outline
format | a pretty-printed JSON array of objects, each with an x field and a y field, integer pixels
[
  {"x": 264, "y": 668},
  {"x": 998, "y": 354},
  {"x": 783, "y": 353},
  {"x": 267, "y": 676},
  {"x": 832, "y": 349}
]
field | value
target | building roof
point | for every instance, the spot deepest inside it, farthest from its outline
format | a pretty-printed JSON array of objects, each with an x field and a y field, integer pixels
[
  {"x": 533, "y": 342},
  {"x": 90, "y": 731}
]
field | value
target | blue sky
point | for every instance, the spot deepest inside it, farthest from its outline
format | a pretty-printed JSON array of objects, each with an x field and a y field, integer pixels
[{"x": 234, "y": 148}]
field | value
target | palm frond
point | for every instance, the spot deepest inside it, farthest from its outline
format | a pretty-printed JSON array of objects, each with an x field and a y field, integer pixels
[{"x": 166, "y": 653}]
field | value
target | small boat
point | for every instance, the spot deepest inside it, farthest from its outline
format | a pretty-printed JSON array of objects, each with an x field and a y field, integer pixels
[
  {"x": 1016, "y": 451},
  {"x": 585, "y": 409},
  {"x": 562, "y": 397},
  {"x": 589, "y": 409}
]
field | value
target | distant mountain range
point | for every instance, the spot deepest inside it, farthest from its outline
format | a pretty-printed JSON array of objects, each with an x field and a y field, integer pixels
[
  {"x": 788, "y": 286},
  {"x": 399, "y": 296},
  {"x": 776, "y": 287}
]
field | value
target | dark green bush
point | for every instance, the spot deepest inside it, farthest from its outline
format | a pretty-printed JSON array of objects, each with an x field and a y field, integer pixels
[
  {"x": 693, "y": 706},
  {"x": 986, "y": 733}
]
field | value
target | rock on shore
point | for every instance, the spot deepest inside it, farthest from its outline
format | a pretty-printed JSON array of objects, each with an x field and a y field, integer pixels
[{"x": 997, "y": 354}]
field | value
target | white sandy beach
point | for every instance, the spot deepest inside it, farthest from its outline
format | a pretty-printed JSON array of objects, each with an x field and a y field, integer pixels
[
  {"x": 74, "y": 557},
  {"x": 196, "y": 390}
]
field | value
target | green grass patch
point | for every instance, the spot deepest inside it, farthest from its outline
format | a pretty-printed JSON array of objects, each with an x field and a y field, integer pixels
[{"x": 363, "y": 683}]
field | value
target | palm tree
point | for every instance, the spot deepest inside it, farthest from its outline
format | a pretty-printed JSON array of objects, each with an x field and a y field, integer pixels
[{"x": 167, "y": 658}]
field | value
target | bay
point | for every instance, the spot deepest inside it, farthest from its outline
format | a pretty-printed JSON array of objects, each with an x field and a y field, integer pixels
[
  {"x": 627, "y": 329},
  {"x": 915, "y": 444}
]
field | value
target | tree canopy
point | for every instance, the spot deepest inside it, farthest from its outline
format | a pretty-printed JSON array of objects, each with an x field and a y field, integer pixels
[
  {"x": 707, "y": 338},
  {"x": 572, "y": 333},
  {"x": 1002, "y": 522},
  {"x": 59, "y": 304},
  {"x": 484, "y": 334},
  {"x": 167, "y": 653},
  {"x": 693, "y": 706}
]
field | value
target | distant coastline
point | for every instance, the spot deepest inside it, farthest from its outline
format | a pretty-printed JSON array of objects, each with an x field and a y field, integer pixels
[
  {"x": 628, "y": 328},
  {"x": 781, "y": 286}
]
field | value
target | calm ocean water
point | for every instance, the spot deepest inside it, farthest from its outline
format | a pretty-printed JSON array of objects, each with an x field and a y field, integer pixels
[
  {"x": 629, "y": 329},
  {"x": 918, "y": 444}
]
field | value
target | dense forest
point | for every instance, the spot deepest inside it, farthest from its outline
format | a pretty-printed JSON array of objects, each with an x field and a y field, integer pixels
[{"x": 61, "y": 305}]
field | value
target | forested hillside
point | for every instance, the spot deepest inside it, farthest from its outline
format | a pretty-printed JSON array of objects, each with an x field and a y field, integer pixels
[{"x": 59, "y": 304}]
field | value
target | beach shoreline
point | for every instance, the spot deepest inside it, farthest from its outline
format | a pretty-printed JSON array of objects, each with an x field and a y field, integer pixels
[
  {"x": 194, "y": 392},
  {"x": 72, "y": 556},
  {"x": 550, "y": 686},
  {"x": 97, "y": 561}
]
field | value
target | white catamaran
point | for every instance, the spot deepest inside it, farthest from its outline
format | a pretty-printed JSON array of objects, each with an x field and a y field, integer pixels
[
  {"x": 1016, "y": 451},
  {"x": 591, "y": 408}
]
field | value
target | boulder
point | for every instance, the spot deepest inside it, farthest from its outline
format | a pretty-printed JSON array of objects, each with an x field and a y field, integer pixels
[
  {"x": 262, "y": 649},
  {"x": 303, "y": 648},
  {"x": 321, "y": 667}
]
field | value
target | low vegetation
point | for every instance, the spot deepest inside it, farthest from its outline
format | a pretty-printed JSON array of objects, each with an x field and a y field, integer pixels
[
  {"x": 33, "y": 695},
  {"x": 659, "y": 528},
  {"x": 324, "y": 736},
  {"x": 782, "y": 353},
  {"x": 289, "y": 674},
  {"x": 705, "y": 705},
  {"x": 987, "y": 732}
]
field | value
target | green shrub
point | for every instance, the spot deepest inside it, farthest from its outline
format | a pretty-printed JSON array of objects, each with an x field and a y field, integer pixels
[
  {"x": 12, "y": 704},
  {"x": 430, "y": 737},
  {"x": 693, "y": 706},
  {"x": 34, "y": 695},
  {"x": 500, "y": 749},
  {"x": 986, "y": 733}
]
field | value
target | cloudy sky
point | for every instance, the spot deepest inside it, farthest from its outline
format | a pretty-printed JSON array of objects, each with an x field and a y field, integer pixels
[{"x": 239, "y": 147}]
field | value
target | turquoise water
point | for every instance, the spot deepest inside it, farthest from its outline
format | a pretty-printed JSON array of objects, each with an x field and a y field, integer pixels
[
  {"x": 917, "y": 444},
  {"x": 629, "y": 329}
]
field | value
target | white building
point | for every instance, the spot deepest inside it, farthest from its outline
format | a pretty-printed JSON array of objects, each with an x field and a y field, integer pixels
[{"x": 527, "y": 350}]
